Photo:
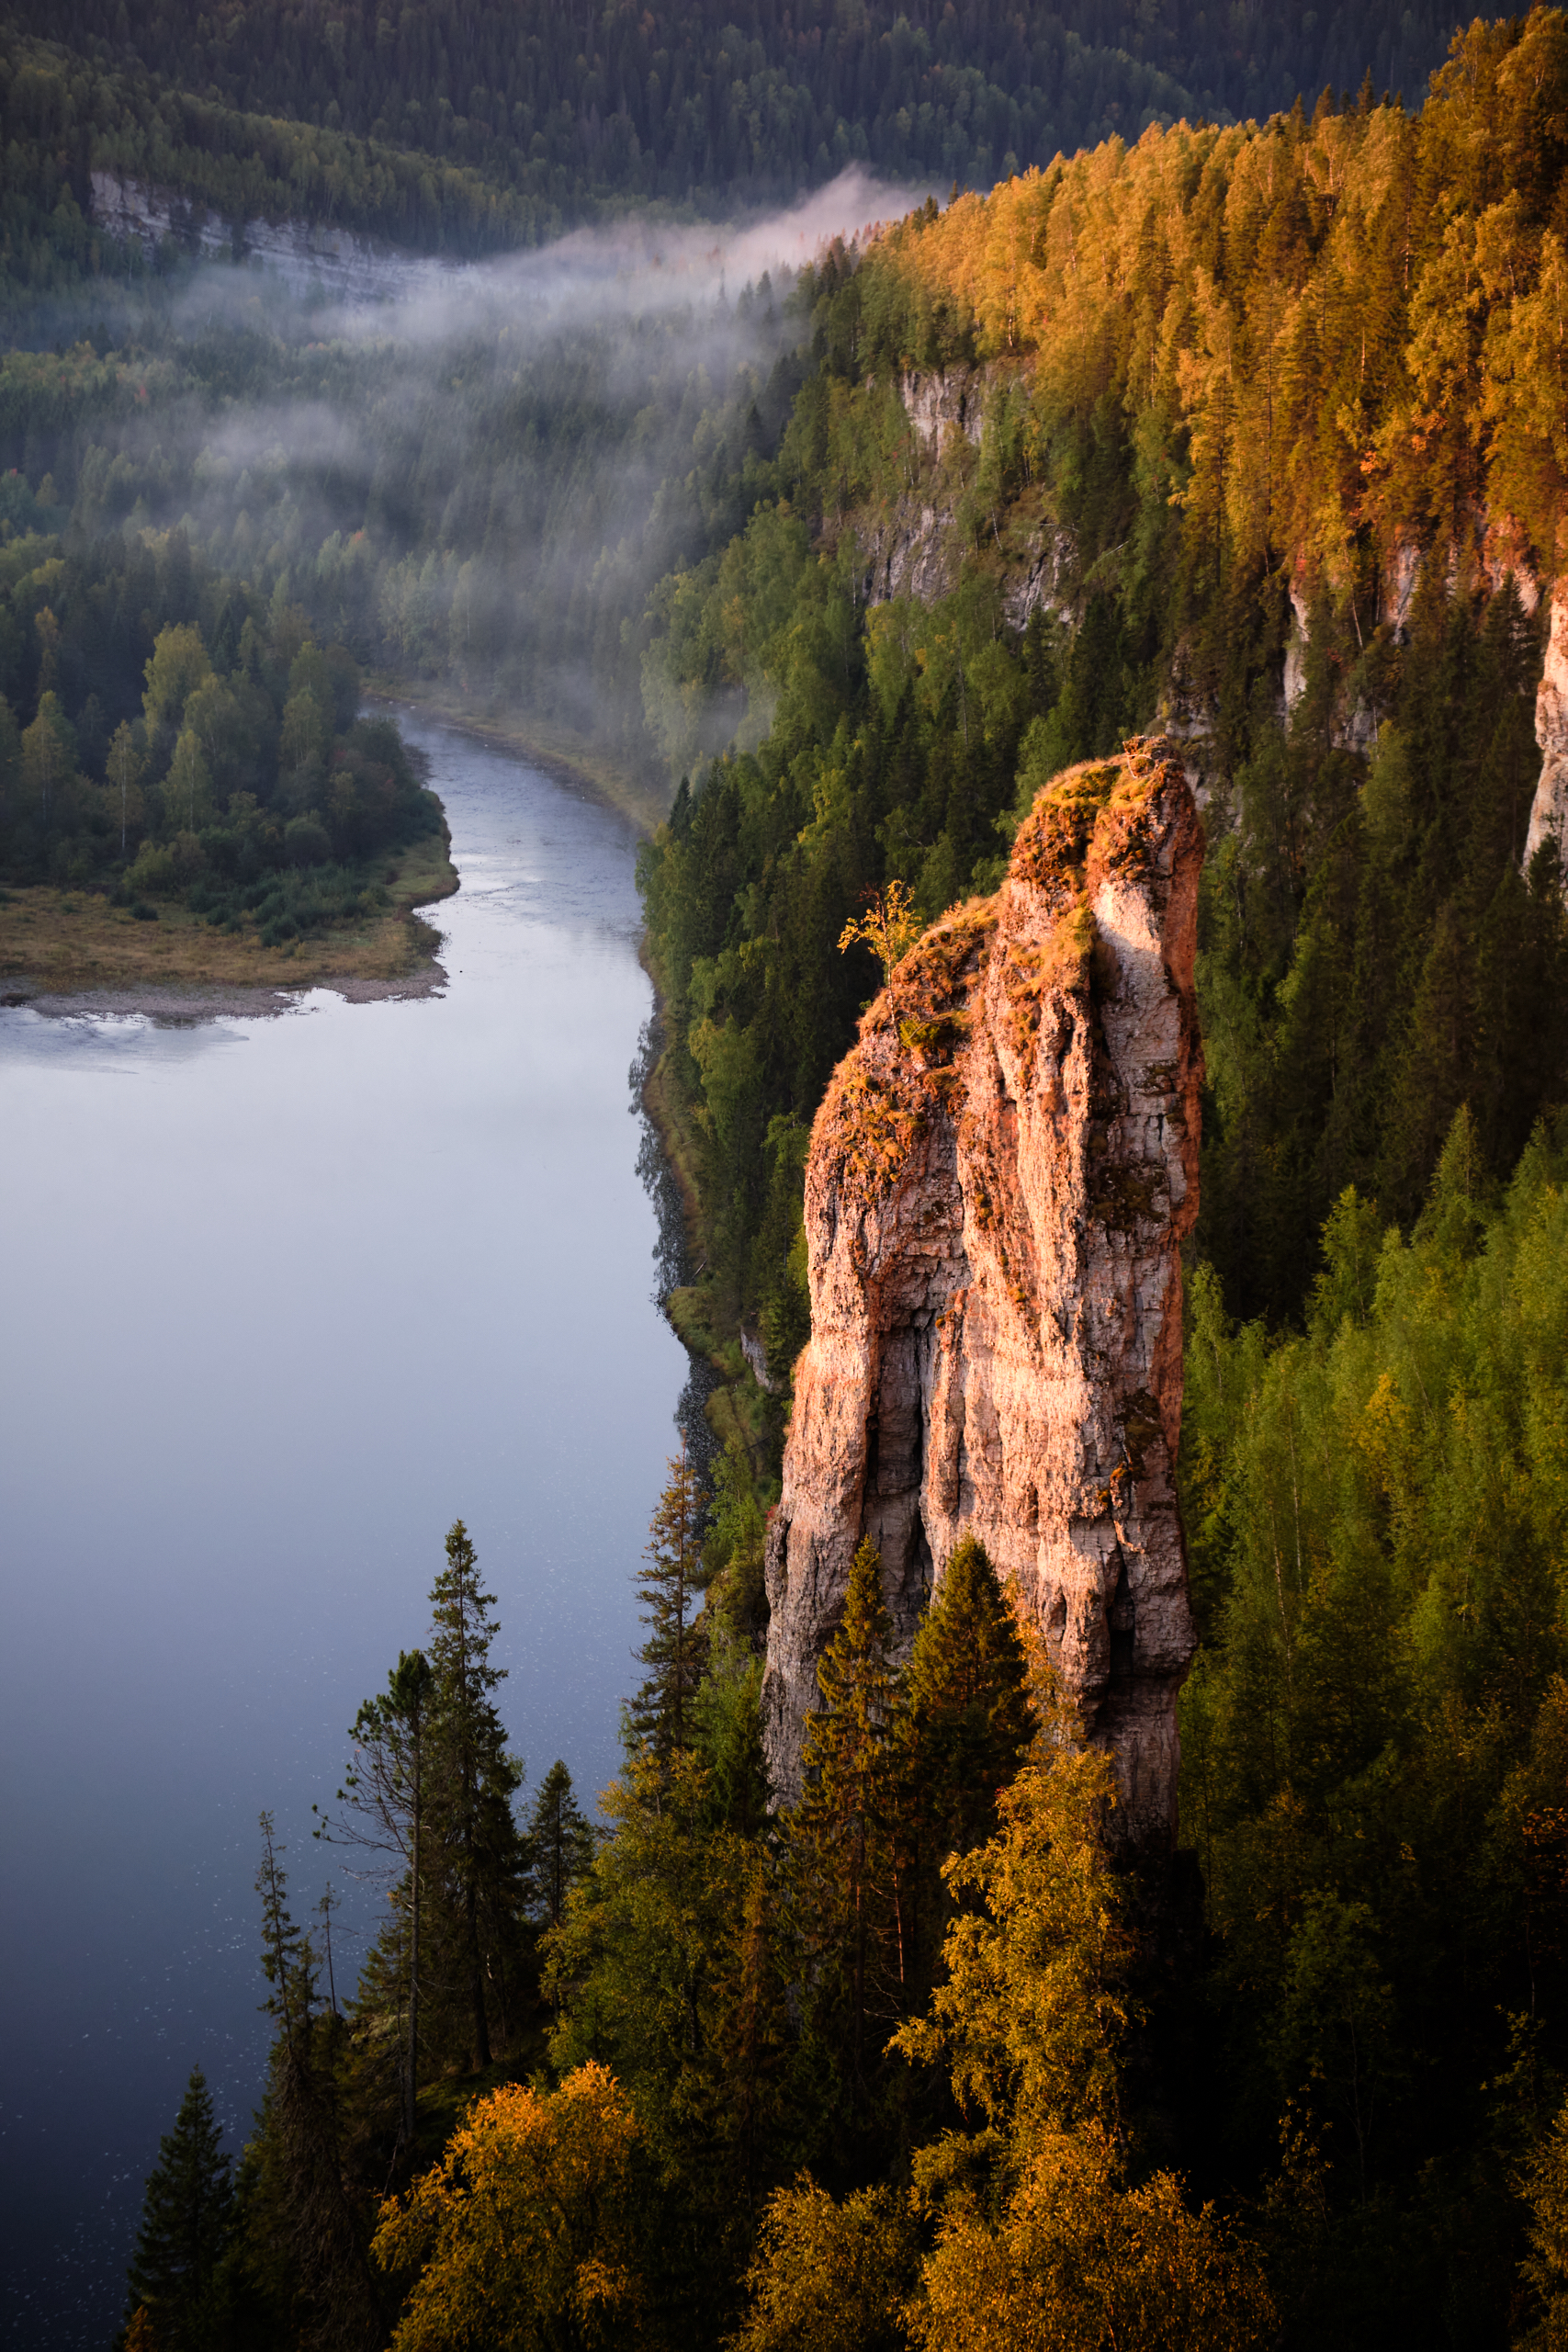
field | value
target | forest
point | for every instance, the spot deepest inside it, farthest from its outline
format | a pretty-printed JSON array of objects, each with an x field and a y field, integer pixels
[
  {"x": 906, "y": 2064},
  {"x": 1247, "y": 429},
  {"x": 474, "y": 128}
]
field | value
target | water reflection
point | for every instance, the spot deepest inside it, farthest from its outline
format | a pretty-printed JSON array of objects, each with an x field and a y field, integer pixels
[{"x": 282, "y": 1302}]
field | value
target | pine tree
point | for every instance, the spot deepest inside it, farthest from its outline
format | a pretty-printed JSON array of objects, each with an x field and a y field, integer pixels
[
  {"x": 838, "y": 1835},
  {"x": 187, "y": 2221},
  {"x": 659, "y": 1718},
  {"x": 302, "y": 2209},
  {"x": 561, "y": 1842},
  {"x": 966, "y": 1696},
  {"x": 385, "y": 1799},
  {"x": 474, "y": 1781},
  {"x": 964, "y": 1724}
]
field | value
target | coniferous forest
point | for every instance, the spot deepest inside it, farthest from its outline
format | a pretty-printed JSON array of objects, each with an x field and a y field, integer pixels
[{"x": 1197, "y": 397}]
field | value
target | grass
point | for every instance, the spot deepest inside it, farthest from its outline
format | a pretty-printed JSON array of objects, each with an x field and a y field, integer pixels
[{"x": 67, "y": 941}]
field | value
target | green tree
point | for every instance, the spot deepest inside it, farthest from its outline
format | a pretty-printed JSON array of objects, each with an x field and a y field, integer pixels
[
  {"x": 658, "y": 1717},
  {"x": 48, "y": 757},
  {"x": 963, "y": 1723},
  {"x": 387, "y": 1797},
  {"x": 663, "y": 1972},
  {"x": 561, "y": 1843},
  {"x": 187, "y": 2223},
  {"x": 177, "y": 665},
  {"x": 473, "y": 1782},
  {"x": 125, "y": 770},
  {"x": 307, "y": 2229},
  {"x": 838, "y": 1837}
]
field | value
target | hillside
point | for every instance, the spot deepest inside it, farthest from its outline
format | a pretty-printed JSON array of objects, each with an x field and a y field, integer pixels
[
  {"x": 1255, "y": 432},
  {"x": 474, "y": 128}
]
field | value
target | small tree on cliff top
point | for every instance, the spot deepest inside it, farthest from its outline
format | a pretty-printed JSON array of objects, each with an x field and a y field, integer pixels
[{"x": 889, "y": 927}]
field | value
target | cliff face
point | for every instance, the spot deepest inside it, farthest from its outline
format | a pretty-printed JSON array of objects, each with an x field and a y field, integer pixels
[
  {"x": 1548, "y": 810},
  {"x": 1000, "y": 1180},
  {"x": 917, "y": 544}
]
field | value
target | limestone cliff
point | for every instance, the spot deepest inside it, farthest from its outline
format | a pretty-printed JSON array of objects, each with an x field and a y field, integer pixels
[
  {"x": 1548, "y": 810},
  {"x": 916, "y": 544},
  {"x": 999, "y": 1179}
]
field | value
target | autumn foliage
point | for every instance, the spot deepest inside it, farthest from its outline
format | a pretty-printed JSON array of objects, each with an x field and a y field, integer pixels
[{"x": 524, "y": 2228}]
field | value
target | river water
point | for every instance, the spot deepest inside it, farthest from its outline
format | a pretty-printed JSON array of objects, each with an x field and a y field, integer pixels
[{"x": 282, "y": 1299}]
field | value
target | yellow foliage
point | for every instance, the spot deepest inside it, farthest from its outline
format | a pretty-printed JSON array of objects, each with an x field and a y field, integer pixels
[
  {"x": 1356, "y": 322},
  {"x": 889, "y": 927},
  {"x": 1546, "y": 2264},
  {"x": 828, "y": 2277},
  {"x": 1031, "y": 2012},
  {"x": 1082, "y": 2264},
  {"x": 524, "y": 2228}
]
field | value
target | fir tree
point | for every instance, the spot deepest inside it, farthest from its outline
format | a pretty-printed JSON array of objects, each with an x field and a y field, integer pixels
[
  {"x": 660, "y": 1717},
  {"x": 385, "y": 1798},
  {"x": 303, "y": 2215},
  {"x": 561, "y": 1843},
  {"x": 187, "y": 2221},
  {"x": 966, "y": 1696},
  {"x": 965, "y": 1724},
  {"x": 474, "y": 1783},
  {"x": 838, "y": 1836}
]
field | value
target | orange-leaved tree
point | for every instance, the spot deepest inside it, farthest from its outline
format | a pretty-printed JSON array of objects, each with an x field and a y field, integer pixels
[
  {"x": 1042, "y": 2243},
  {"x": 526, "y": 2229}
]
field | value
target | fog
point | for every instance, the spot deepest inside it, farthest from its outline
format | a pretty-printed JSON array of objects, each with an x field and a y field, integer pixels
[{"x": 476, "y": 474}]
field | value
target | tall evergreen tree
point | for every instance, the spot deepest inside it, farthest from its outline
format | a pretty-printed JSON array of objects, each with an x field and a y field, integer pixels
[
  {"x": 386, "y": 1797},
  {"x": 839, "y": 1834},
  {"x": 187, "y": 2221},
  {"x": 474, "y": 1781},
  {"x": 964, "y": 1724},
  {"x": 660, "y": 1717},
  {"x": 561, "y": 1842},
  {"x": 309, "y": 2230}
]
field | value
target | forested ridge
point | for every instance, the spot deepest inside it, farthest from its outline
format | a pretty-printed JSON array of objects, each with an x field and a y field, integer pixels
[
  {"x": 1251, "y": 432},
  {"x": 465, "y": 127}
]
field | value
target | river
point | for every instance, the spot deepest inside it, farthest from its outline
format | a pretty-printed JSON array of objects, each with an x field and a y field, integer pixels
[{"x": 283, "y": 1298}]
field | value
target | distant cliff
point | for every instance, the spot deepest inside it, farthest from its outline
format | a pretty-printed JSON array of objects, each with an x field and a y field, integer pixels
[{"x": 999, "y": 1182}]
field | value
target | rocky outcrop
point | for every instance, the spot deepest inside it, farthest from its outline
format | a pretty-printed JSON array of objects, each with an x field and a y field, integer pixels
[
  {"x": 1000, "y": 1180},
  {"x": 916, "y": 545},
  {"x": 1549, "y": 809},
  {"x": 942, "y": 401}
]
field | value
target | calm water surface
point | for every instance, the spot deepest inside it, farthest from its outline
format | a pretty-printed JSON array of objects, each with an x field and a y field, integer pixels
[{"x": 282, "y": 1299}]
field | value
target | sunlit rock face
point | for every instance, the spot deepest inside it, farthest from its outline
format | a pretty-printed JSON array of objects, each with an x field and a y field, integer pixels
[
  {"x": 1548, "y": 810},
  {"x": 1000, "y": 1180}
]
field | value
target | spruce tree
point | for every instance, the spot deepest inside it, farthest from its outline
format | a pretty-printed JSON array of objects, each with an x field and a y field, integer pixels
[
  {"x": 969, "y": 1721},
  {"x": 474, "y": 1781},
  {"x": 187, "y": 2221},
  {"x": 561, "y": 1841},
  {"x": 838, "y": 1835},
  {"x": 385, "y": 1796},
  {"x": 303, "y": 2212},
  {"x": 660, "y": 1717}
]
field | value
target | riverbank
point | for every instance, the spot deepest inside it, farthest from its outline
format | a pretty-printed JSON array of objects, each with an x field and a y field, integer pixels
[
  {"x": 71, "y": 951},
  {"x": 570, "y": 758},
  {"x": 740, "y": 1406}
]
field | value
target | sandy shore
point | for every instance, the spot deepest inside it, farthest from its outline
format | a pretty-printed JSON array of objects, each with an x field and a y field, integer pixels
[{"x": 219, "y": 1000}]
